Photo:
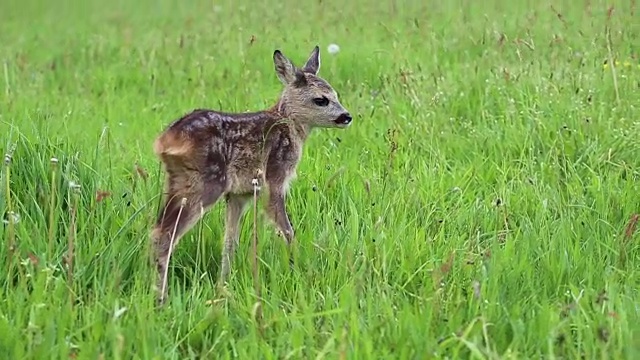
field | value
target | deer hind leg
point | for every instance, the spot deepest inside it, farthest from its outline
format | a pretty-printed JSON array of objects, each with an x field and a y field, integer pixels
[
  {"x": 236, "y": 206},
  {"x": 187, "y": 201}
]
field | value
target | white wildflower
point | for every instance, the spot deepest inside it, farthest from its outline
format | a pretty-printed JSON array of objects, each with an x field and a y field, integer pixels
[
  {"x": 12, "y": 217},
  {"x": 74, "y": 185},
  {"x": 333, "y": 48},
  {"x": 119, "y": 312}
]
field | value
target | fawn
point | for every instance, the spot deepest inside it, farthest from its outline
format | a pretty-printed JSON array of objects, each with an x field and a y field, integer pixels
[{"x": 209, "y": 154}]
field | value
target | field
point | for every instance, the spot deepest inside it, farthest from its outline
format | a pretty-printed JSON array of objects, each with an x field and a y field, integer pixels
[{"x": 483, "y": 204}]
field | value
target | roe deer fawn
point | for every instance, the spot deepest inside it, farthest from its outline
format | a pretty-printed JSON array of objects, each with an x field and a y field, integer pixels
[{"x": 209, "y": 154}]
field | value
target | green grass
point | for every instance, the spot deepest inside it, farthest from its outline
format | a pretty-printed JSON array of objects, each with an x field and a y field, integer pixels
[{"x": 478, "y": 207}]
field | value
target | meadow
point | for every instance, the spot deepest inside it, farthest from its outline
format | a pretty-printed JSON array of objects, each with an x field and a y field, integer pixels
[{"x": 483, "y": 204}]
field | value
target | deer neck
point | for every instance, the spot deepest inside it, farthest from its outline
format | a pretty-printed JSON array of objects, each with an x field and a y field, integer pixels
[{"x": 282, "y": 112}]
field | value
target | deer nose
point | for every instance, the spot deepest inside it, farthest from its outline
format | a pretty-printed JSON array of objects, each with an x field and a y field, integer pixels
[{"x": 344, "y": 119}]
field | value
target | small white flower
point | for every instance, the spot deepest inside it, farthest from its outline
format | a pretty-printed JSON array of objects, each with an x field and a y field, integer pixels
[
  {"x": 256, "y": 184},
  {"x": 119, "y": 312},
  {"x": 333, "y": 48},
  {"x": 12, "y": 217},
  {"x": 74, "y": 185}
]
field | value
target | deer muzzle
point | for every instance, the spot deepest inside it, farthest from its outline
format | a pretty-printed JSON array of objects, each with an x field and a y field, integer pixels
[{"x": 343, "y": 119}]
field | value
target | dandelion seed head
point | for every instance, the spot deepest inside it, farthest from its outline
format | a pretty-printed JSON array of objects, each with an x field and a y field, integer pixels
[{"x": 333, "y": 48}]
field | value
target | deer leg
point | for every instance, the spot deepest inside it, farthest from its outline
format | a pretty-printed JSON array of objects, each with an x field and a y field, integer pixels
[
  {"x": 276, "y": 210},
  {"x": 181, "y": 211},
  {"x": 236, "y": 206}
]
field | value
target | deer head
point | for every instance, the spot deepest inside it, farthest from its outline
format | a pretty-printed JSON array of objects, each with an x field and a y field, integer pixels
[{"x": 306, "y": 97}]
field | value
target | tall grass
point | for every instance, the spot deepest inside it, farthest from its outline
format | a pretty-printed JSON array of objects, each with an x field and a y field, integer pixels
[{"x": 483, "y": 204}]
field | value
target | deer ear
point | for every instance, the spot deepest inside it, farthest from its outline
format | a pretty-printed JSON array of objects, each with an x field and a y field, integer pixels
[
  {"x": 285, "y": 70},
  {"x": 313, "y": 63}
]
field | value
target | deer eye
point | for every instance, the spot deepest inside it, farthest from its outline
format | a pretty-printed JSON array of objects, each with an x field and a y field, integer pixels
[{"x": 322, "y": 101}]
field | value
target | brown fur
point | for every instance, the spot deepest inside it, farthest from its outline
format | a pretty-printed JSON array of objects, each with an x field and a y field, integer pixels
[{"x": 209, "y": 154}]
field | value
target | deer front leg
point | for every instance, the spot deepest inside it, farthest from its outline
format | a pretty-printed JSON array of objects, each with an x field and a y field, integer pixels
[{"x": 276, "y": 210}]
